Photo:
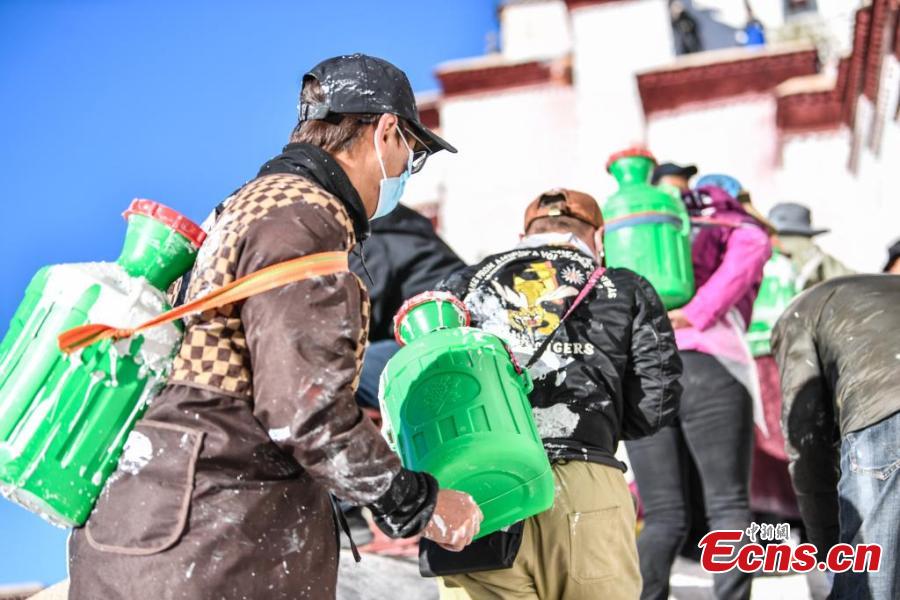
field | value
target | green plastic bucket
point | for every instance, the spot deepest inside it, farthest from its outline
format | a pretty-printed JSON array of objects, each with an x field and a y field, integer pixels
[
  {"x": 455, "y": 404},
  {"x": 648, "y": 229},
  {"x": 64, "y": 420}
]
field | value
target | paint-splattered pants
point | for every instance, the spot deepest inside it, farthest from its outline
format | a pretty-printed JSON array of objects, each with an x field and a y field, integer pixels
[{"x": 582, "y": 548}]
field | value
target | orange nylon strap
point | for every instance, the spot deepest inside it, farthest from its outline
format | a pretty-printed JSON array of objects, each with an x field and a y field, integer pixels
[{"x": 269, "y": 278}]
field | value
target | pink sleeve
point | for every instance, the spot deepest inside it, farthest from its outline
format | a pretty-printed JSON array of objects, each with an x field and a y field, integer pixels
[{"x": 746, "y": 252}]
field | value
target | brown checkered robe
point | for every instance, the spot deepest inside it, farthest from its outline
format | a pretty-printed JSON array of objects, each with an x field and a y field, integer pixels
[
  {"x": 214, "y": 352},
  {"x": 234, "y": 499}
]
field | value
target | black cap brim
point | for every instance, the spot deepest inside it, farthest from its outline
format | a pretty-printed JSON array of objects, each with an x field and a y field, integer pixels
[
  {"x": 671, "y": 169},
  {"x": 433, "y": 142},
  {"x": 688, "y": 171}
]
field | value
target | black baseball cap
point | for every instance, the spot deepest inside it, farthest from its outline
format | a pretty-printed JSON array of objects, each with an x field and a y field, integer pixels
[
  {"x": 668, "y": 168},
  {"x": 358, "y": 83}
]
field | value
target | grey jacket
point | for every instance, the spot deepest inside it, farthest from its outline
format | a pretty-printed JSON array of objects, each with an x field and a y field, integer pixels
[
  {"x": 838, "y": 350},
  {"x": 813, "y": 265}
]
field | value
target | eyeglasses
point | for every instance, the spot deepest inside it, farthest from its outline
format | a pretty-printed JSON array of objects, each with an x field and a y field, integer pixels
[{"x": 419, "y": 156}]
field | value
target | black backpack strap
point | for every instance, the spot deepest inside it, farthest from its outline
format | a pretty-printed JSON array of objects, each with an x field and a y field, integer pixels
[{"x": 341, "y": 525}]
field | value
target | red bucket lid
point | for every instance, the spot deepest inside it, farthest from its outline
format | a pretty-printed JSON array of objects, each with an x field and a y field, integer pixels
[
  {"x": 632, "y": 152},
  {"x": 168, "y": 217},
  {"x": 421, "y": 299}
]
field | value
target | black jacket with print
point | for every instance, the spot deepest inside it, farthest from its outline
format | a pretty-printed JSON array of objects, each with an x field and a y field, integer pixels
[{"x": 612, "y": 370}]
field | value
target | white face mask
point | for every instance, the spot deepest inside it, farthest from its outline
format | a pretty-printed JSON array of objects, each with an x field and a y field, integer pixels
[{"x": 555, "y": 238}]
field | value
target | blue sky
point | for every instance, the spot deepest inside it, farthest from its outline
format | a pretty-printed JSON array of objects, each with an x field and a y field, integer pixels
[{"x": 102, "y": 101}]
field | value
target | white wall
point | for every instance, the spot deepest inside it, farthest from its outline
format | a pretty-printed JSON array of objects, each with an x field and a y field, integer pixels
[
  {"x": 871, "y": 216},
  {"x": 740, "y": 138},
  {"x": 814, "y": 172},
  {"x": 517, "y": 143},
  {"x": 513, "y": 145},
  {"x": 612, "y": 42},
  {"x": 863, "y": 208},
  {"x": 535, "y": 30},
  {"x": 737, "y": 137},
  {"x": 864, "y": 216}
]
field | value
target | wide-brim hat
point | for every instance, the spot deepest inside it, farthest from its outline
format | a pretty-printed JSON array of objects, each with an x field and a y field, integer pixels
[{"x": 793, "y": 219}]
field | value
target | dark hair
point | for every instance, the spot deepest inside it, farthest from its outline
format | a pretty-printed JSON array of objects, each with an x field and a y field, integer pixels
[{"x": 334, "y": 134}]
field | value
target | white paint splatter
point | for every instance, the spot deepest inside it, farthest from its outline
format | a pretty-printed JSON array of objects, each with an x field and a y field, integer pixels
[
  {"x": 190, "y": 571},
  {"x": 556, "y": 421},
  {"x": 280, "y": 434},
  {"x": 560, "y": 378},
  {"x": 439, "y": 522},
  {"x": 137, "y": 453}
]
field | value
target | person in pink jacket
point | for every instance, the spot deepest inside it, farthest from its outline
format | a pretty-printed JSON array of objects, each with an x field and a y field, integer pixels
[{"x": 714, "y": 428}]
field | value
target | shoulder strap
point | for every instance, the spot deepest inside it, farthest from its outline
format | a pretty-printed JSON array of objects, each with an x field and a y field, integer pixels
[
  {"x": 588, "y": 286},
  {"x": 269, "y": 278}
]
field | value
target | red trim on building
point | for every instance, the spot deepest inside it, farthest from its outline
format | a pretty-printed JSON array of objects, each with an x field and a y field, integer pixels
[
  {"x": 857, "y": 63},
  {"x": 843, "y": 76},
  {"x": 430, "y": 115},
  {"x": 672, "y": 88},
  {"x": 859, "y": 74},
  {"x": 897, "y": 35},
  {"x": 495, "y": 77},
  {"x": 874, "y": 46},
  {"x": 805, "y": 112}
]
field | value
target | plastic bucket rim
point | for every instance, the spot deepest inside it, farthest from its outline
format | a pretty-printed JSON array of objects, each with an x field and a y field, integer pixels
[
  {"x": 419, "y": 300},
  {"x": 167, "y": 216}
]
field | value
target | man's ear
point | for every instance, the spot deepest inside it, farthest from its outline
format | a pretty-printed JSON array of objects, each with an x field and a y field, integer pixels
[
  {"x": 385, "y": 127},
  {"x": 598, "y": 243}
]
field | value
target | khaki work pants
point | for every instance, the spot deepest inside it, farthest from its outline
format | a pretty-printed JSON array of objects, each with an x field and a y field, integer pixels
[{"x": 583, "y": 548}]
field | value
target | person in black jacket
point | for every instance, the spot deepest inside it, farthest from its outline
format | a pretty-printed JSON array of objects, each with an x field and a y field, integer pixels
[
  {"x": 838, "y": 354},
  {"x": 610, "y": 372},
  {"x": 402, "y": 257}
]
